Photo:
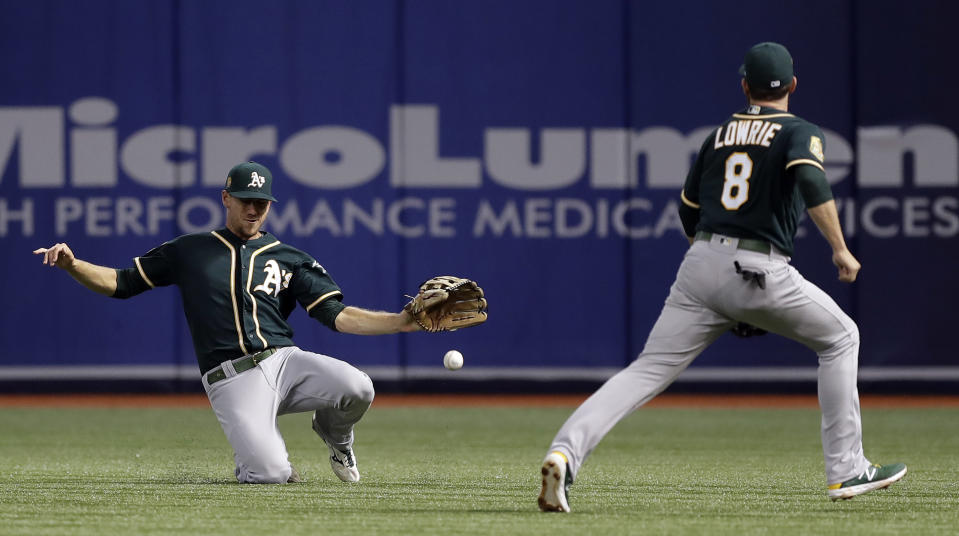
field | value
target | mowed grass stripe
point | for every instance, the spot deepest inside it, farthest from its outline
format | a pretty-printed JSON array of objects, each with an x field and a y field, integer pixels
[{"x": 465, "y": 470}]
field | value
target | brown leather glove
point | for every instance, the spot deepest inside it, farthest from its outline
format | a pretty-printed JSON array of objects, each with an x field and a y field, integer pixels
[{"x": 448, "y": 303}]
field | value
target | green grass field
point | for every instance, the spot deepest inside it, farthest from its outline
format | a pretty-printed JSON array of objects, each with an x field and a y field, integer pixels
[{"x": 470, "y": 471}]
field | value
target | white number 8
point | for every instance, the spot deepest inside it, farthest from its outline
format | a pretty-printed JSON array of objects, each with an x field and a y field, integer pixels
[{"x": 736, "y": 186}]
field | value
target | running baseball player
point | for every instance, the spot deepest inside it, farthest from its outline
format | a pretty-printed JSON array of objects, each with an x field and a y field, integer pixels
[
  {"x": 239, "y": 285},
  {"x": 740, "y": 205}
]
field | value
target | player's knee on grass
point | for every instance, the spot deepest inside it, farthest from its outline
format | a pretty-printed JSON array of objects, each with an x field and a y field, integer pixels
[
  {"x": 270, "y": 466},
  {"x": 264, "y": 472}
]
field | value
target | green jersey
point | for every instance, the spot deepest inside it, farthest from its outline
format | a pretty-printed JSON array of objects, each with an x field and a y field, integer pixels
[
  {"x": 741, "y": 183},
  {"x": 237, "y": 294}
]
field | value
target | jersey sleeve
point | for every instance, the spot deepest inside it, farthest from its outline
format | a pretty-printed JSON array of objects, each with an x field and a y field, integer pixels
[
  {"x": 807, "y": 145},
  {"x": 316, "y": 292},
  {"x": 812, "y": 184},
  {"x": 690, "y": 192},
  {"x": 689, "y": 195},
  {"x": 157, "y": 268}
]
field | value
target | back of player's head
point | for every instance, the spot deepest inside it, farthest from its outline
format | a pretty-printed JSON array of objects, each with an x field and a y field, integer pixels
[
  {"x": 767, "y": 66},
  {"x": 768, "y": 70}
]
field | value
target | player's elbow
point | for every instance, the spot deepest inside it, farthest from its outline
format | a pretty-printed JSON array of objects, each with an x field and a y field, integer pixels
[{"x": 118, "y": 295}]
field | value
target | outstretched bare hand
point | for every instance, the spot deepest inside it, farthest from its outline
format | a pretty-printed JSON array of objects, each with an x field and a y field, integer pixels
[{"x": 59, "y": 255}]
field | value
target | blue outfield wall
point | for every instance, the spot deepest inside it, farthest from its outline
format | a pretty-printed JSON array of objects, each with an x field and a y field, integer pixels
[{"x": 538, "y": 147}]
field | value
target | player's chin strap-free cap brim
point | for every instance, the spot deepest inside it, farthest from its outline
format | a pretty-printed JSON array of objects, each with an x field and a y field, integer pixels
[
  {"x": 250, "y": 180},
  {"x": 251, "y": 195}
]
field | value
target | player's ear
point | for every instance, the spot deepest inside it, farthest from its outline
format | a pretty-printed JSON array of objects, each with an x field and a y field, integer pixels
[
  {"x": 792, "y": 87},
  {"x": 224, "y": 196},
  {"x": 745, "y": 87}
]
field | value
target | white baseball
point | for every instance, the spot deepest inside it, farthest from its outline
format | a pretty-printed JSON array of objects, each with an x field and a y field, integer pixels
[{"x": 453, "y": 360}]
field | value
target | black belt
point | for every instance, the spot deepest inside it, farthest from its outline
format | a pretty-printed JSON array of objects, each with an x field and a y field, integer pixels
[
  {"x": 240, "y": 364},
  {"x": 749, "y": 244}
]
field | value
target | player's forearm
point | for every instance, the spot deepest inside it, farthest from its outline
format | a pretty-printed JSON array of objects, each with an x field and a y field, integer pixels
[
  {"x": 365, "y": 322},
  {"x": 100, "y": 279},
  {"x": 826, "y": 218}
]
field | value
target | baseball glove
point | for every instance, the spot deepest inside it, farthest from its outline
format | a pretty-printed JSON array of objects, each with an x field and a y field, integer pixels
[
  {"x": 447, "y": 303},
  {"x": 744, "y": 330}
]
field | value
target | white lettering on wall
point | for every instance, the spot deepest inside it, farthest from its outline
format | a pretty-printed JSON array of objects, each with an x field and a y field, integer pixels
[
  {"x": 839, "y": 157},
  {"x": 332, "y": 157},
  {"x": 22, "y": 215},
  {"x": 935, "y": 152},
  {"x": 667, "y": 153},
  {"x": 510, "y": 158},
  {"x": 224, "y": 147},
  {"x": 636, "y": 218},
  {"x": 415, "y": 150},
  {"x": 146, "y": 156},
  {"x": 339, "y": 157},
  {"x": 37, "y": 132},
  {"x": 93, "y": 146}
]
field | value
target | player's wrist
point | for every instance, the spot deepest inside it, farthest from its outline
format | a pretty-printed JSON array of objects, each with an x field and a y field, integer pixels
[
  {"x": 408, "y": 322},
  {"x": 842, "y": 252},
  {"x": 71, "y": 265}
]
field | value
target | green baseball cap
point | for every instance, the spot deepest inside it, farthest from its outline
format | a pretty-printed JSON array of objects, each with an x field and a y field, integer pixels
[
  {"x": 250, "y": 180},
  {"x": 767, "y": 65}
]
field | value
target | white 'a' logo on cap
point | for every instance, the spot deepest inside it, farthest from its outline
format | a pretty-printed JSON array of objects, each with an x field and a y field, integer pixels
[{"x": 256, "y": 180}]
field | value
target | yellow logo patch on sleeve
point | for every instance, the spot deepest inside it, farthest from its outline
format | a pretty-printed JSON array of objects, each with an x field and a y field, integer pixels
[{"x": 815, "y": 147}]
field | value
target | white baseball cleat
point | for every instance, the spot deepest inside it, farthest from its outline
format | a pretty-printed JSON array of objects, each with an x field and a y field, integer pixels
[
  {"x": 344, "y": 465},
  {"x": 556, "y": 481}
]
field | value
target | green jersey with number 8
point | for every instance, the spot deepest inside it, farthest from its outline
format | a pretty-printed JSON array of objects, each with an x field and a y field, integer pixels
[{"x": 743, "y": 181}]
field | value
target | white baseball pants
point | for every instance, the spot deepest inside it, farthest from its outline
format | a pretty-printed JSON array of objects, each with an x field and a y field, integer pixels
[
  {"x": 290, "y": 381},
  {"x": 706, "y": 300}
]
